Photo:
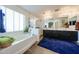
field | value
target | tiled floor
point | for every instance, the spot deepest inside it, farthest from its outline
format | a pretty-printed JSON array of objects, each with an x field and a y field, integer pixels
[{"x": 35, "y": 49}]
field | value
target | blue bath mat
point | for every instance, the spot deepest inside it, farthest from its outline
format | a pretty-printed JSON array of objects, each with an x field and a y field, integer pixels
[{"x": 59, "y": 46}]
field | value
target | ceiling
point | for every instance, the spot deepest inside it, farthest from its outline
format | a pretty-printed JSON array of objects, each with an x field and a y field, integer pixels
[{"x": 38, "y": 9}]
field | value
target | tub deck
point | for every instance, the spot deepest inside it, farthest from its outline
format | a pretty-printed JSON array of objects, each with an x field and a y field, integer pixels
[{"x": 22, "y": 43}]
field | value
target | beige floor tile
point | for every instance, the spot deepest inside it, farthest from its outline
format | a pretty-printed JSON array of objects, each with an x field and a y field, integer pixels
[{"x": 35, "y": 49}]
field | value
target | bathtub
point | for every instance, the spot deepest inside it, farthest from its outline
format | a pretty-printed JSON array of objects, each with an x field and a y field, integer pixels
[{"x": 22, "y": 43}]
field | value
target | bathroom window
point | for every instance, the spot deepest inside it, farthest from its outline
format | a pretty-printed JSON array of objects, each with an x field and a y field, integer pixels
[
  {"x": 9, "y": 20},
  {"x": 13, "y": 21}
]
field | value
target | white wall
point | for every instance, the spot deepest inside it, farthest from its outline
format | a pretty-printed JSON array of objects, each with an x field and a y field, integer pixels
[{"x": 69, "y": 11}]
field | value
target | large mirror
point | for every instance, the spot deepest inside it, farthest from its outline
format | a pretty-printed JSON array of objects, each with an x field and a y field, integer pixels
[{"x": 61, "y": 22}]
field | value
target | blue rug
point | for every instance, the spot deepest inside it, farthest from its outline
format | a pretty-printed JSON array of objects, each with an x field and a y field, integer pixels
[{"x": 59, "y": 46}]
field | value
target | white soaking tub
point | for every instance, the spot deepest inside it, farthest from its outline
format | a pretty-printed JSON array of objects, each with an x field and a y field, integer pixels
[{"x": 23, "y": 41}]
